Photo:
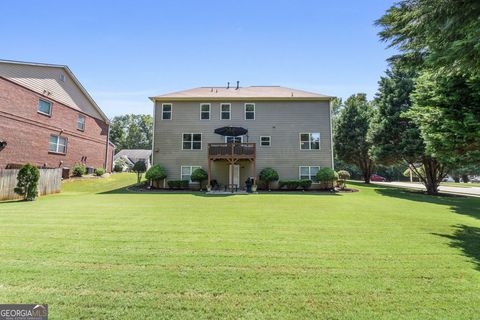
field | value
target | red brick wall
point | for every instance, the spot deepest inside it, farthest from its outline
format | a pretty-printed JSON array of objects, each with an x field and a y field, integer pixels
[{"x": 27, "y": 132}]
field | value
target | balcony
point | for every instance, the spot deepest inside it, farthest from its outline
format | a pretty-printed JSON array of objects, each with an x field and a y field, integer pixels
[{"x": 229, "y": 151}]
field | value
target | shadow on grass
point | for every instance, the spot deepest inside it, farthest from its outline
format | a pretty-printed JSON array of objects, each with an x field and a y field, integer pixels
[{"x": 467, "y": 239}]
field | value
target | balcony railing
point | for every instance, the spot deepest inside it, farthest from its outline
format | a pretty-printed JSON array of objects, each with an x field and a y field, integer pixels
[{"x": 231, "y": 150}]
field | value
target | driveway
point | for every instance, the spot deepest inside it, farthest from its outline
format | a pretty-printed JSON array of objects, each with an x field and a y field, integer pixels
[{"x": 472, "y": 191}]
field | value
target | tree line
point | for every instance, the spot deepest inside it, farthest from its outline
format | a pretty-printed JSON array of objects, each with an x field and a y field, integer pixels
[{"x": 426, "y": 113}]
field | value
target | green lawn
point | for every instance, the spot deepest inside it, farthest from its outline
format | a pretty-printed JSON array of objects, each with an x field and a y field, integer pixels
[
  {"x": 96, "y": 251},
  {"x": 460, "y": 184}
]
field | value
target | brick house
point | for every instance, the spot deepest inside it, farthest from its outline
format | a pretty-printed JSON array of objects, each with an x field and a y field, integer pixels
[{"x": 47, "y": 118}]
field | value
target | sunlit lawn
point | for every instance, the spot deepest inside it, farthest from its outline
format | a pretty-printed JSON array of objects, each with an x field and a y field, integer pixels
[
  {"x": 460, "y": 184},
  {"x": 96, "y": 251}
]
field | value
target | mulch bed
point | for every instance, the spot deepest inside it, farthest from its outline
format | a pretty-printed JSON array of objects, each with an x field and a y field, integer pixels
[{"x": 146, "y": 189}]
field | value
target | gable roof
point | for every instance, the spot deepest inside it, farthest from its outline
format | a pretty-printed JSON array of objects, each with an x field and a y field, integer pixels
[
  {"x": 242, "y": 93},
  {"x": 45, "y": 79},
  {"x": 134, "y": 153}
]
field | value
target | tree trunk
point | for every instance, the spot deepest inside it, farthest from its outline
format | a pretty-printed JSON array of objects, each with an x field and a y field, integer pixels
[
  {"x": 366, "y": 166},
  {"x": 432, "y": 175}
]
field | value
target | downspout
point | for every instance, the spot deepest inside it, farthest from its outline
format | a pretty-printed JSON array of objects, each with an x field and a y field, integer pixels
[
  {"x": 106, "y": 148},
  {"x": 153, "y": 137},
  {"x": 331, "y": 132}
]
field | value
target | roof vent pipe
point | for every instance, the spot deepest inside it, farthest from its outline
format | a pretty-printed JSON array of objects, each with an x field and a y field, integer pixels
[
  {"x": 228, "y": 85},
  {"x": 238, "y": 85}
]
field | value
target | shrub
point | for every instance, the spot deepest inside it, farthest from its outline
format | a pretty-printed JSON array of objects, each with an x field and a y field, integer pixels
[
  {"x": 79, "y": 170},
  {"x": 178, "y": 184},
  {"x": 118, "y": 167},
  {"x": 155, "y": 173},
  {"x": 139, "y": 168},
  {"x": 343, "y": 176},
  {"x": 199, "y": 175},
  {"x": 295, "y": 184},
  {"x": 289, "y": 184},
  {"x": 268, "y": 175},
  {"x": 305, "y": 184},
  {"x": 99, "y": 172},
  {"x": 327, "y": 177},
  {"x": 27, "y": 182}
]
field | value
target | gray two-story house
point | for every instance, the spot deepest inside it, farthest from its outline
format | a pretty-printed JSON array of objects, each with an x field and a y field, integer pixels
[{"x": 235, "y": 132}]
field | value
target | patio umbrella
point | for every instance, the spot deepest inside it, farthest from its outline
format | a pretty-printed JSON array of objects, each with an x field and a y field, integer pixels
[{"x": 231, "y": 131}]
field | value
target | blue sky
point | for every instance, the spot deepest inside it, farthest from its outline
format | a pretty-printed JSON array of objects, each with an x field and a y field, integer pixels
[{"x": 125, "y": 51}]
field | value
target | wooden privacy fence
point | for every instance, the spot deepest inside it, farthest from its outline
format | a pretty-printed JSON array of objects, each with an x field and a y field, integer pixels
[{"x": 50, "y": 182}]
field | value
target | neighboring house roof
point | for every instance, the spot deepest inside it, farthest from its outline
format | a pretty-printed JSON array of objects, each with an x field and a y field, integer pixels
[
  {"x": 134, "y": 154},
  {"x": 52, "y": 81},
  {"x": 242, "y": 93}
]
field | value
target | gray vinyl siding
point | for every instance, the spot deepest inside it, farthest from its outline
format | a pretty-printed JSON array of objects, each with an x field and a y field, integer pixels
[
  {"x": 43, "y": 79},
  {"x": 282, "y": 121}
]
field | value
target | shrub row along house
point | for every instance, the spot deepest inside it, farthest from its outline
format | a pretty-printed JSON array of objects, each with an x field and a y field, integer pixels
[
  {"x": 234, "y": 132},
  {"x": 47, "y": 118}
]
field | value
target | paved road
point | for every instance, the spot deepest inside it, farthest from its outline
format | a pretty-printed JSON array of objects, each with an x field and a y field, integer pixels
[{"x": 472, "y": 191}]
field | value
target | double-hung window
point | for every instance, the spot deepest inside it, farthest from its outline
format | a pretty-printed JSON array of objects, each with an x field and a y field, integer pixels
[
  {"x": 44, "y": 107},
  {"x": 192, "y": 141},
  {"x": 310, "y": 141},
  {"x": 249, "y": 111},
  {"x": 186, "y": 172},
  {"x": 225, "y": 111},
  {"x": 265, "y": 141},
  {"x": 308, "y": 173},
  {"x": 205, "y": 111},
  {"x": 166, "y": 111},
  {"x": 57, "y": 144},
  {"x": 81, "y": 122}
]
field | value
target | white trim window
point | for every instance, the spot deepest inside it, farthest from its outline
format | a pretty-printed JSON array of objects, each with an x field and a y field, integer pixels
[
  {"x": 44, "y": 107},
  {"x": 265, "y": 141},
  {"x": 233, "y": 139},
  {"x": 167, "y": 111},
  {"x": 308, "y": 173},
  {"x": 310, "y": 141},
  {"x": 225, "y": 111},
  {"x": 81, "y": 122},
  {"x": 57, "y": 144},
  {"x": 205, "y": 109},
  {"x": 186, "y": 172},
  {"x": 191, "y": 141},
  {"x": 249, "y": 111}
]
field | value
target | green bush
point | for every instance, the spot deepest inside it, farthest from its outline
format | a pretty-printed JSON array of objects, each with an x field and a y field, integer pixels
[
  {"x": 99, "y": 172},
  {"x": 155, "y": 173},
  {"x": 327, "y": 178},
  {"x": 268, "y": 175},
  {"x": 295, "y": 184},
  {"x": 343, "y": 176},
  {"x": 178, "y": 184},
  {"x": 305, "y": 184},
  {"x": 139, "y": 168},
  {"x": 79, "y": 170},
  {"x": 288, "y": 184},
  {"x": 118, "y": 165},
  {"x": 27, "y": 182},
  {"x": 199, "y": 175}
]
